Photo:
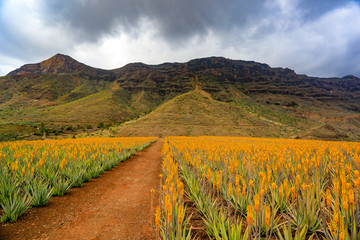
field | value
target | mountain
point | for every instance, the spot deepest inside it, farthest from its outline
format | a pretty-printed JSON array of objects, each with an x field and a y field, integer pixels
[
  {"x": 58, "y": 64},
  {"x": 207, "y": 96}
]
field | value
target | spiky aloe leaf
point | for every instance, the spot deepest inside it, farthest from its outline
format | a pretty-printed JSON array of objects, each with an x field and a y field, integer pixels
[
  {"x": 14, "y": 205},
  {"x": 40, "y": 192}
]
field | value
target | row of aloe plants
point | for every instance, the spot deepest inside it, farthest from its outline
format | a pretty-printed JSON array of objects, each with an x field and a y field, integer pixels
[
  {"x": 248, "y": 188},
  {"x": 169, "y": 220},
  {"x": 31, "y": 172}
]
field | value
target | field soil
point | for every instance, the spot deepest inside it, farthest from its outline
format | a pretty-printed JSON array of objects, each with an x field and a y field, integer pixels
[{"x": 114, "y": 206}]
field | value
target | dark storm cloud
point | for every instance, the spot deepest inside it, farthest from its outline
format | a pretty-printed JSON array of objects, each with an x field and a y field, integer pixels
[
  {"x": 94, "y": 18},
  {"x": 175, "y": 20}
]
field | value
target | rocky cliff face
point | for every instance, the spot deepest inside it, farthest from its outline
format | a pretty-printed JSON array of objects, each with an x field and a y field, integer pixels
[
  {"x": 216, "y": 75},
  {"x": 212, "y": 74}
]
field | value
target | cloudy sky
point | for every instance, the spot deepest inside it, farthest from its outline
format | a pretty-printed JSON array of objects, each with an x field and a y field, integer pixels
[{"x": 313, "y": 37}]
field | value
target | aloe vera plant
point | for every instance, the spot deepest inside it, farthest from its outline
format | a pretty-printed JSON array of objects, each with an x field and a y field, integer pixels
[
  {"x": 61, "y": 185},
  {"x": 40, "y": 192},
  {"x": 14, "y": 205}
]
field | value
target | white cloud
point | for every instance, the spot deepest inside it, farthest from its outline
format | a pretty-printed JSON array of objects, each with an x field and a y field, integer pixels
[
  {"x": 116, "y": 51},
  {"x": 318, "y": 47},
  {"x": 7, "y": 64},
  {"x": 28, "y": 36}
]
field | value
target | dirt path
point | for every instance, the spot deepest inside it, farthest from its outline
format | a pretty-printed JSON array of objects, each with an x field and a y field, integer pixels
[{"x": 114, "y": 206}]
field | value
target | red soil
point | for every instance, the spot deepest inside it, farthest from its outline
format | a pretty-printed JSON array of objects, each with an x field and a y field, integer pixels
[{"x": 114, "y": 206}]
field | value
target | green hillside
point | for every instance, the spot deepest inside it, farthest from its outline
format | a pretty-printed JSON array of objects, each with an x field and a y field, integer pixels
[{"x": 197, "y": 113}]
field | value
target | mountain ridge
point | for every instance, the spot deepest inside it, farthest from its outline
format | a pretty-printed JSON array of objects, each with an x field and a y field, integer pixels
[
  {"x": 61, "y": 63},
  {"x": 61, "y": 90},
  {"x": 53, "y": 65}
]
